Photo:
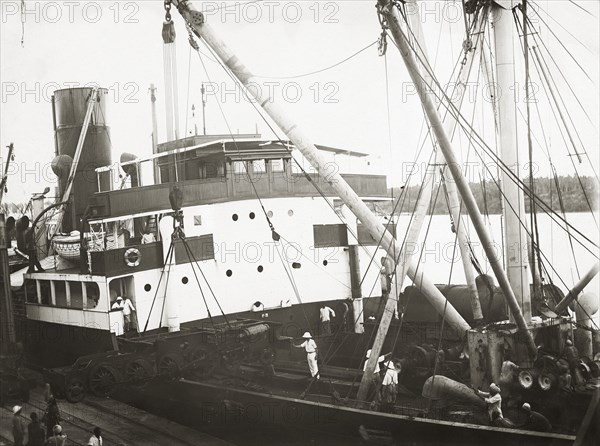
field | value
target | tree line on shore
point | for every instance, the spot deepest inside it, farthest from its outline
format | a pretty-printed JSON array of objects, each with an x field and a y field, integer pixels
[{"x": 565, "y": 193}]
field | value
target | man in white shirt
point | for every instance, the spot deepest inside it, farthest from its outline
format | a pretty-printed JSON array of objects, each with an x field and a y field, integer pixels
[
  {"x": 374, "y": 391},
  {"x": 389, "y": 387},
  {"x": 311, "y": 354},
  {"x": 493, "y": 400},
  {"x": 118, "y": 305},
  {"x": 127, "y": 310},
  {"x": 96, "y": 439},
  {"x": 148, "y": 237},
  {"x": 325, "y": 314}
]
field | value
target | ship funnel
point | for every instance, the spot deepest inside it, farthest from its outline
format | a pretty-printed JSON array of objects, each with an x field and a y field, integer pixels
[{"x": 70, "y": 106}]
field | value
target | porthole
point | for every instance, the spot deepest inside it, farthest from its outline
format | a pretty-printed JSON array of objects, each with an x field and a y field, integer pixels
[
  {"x": 234, "y": 217},
  {"x": 252, "y": 215},
  {"x": 325, "y": 262},
  {"x": 229, "y": 273},
  {"x": 260, "y": 268},
  {"x": 290, "y": 212},
  {"x": 296, "y": 265},
  {"x": 184, "y": 280},
  {"x": 270, "y": 214},
  {"x": 147, "y": 287}
]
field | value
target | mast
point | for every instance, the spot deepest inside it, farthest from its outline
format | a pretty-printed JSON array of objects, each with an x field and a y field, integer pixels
[
  {"x": 577, "y": 288},
  {"x": 515, "y": 232},
  {"x": 154, "y": 131},
  {"x": 7, "y": 334},
  {"x": 393, "y": 20},
  {"x": 431, "y": 179},
  {"x": 203, "y": 92},
  {"x": 533, "y": 243}
]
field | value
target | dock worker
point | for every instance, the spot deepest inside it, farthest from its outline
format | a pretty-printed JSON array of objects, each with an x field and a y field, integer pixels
[
  {"x": 384, "y": 278},
  {"x": 148, "y": 237},
  {"x": 47, "y": 392},
  {"x": 389, "y": 387},
  {"x": 571, "y": 354},
  {"x": 96, "y": 439},
  {"x": 18, "y": 430},
  {"x": 58, "y": 438},
  {"x": 326, "y": 313},
  {"x": 51, "y": 416},
  {"x": 128, "y": 308},
  {"x": 311, "y": 354},
  {"x": 374, "y": 392},
  {"x": 493, "y": 400},
  {"x": 118, "y": 305},
  {"x": 535, "y": 420},
  {"x": 36, "y": 434}
]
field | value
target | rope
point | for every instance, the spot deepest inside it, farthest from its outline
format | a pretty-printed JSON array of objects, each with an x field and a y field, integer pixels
[
  {"x": 169, "y": 255},
  {"x": 565, "y": 142},
  {"x": 568, "y": 83},
  {"x": 188, "y": 251},
  {"x": 481, "y": 143},
  {"x": 563, "y": 46},
  {"x": 285, "y": 144},
  {"x": 322, "y": 69},
  {"x": 162, "y": 310}
]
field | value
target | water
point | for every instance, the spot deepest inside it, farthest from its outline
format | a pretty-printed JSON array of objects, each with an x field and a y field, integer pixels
[{"x": 441, "y": 261}]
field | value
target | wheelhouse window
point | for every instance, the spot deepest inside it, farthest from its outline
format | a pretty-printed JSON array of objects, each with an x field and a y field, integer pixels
[
  {"x": 60, "y": 293},
  {"x": 239, "y": 167},
  {"x": 276, "y": 165},
  {"x": 76, "y": 295},
  {"x": 258, "y": 166},
  {"x": 92, "y": 295}
]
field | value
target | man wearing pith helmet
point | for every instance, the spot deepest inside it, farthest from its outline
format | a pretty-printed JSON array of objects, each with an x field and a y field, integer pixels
[{"x": 311, "y": 354}]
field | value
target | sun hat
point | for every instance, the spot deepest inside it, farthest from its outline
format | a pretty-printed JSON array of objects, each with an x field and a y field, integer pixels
[
  {"x": 526, "y": 406},
  {"x": 57, "y": 429},
  {"x": 368, "y": 355},
  {"x": 306, "y": 335},
  {"x": 16, "y": 409},
  {"x": 119, "y": 298},
  {"x": 494, "y": 387}
]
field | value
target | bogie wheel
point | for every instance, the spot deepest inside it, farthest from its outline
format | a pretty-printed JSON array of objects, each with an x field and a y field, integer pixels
[
  {"x": 75, "y": 390},
  {"x": 170, "y": 365},
  {"x": 139, "y": 371},
  {"x": 103, "y": 379}
]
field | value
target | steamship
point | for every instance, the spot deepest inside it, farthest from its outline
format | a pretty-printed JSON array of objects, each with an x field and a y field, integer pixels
[
  {"x": 115, "y": 205},
  {"x": 214, "y": 231}
]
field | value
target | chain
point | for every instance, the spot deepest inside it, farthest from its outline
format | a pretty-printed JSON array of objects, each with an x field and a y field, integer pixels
[
  {"x": 191, "y": 38},
  {"x": 467, "y": 46},
  {"x": 167, "y": 10},
  {"x": 382, "y": 41}
]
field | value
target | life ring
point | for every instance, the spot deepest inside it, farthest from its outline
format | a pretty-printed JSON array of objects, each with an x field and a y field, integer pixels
[{"x": 132, "y": 257}]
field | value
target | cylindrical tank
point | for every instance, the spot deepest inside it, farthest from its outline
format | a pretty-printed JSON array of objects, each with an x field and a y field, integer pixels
[
  {"x": 70, "y": 106},
  {"x": 492, "y": 301}
]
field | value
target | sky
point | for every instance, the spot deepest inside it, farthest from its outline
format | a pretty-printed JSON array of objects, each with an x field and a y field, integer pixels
[{"x": 118, "y": 45}]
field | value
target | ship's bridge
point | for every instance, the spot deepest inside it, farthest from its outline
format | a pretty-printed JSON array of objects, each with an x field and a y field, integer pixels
[{"x": 217, "y": 169}]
